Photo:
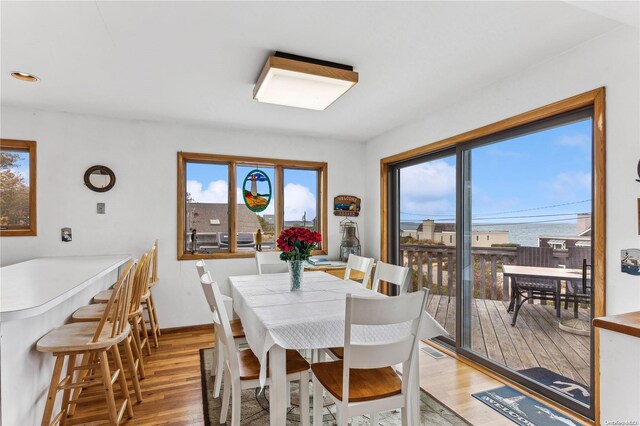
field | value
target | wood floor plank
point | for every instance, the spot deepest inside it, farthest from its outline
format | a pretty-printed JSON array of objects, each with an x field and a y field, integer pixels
[
  {"x": 578, "y": 367},
  {"x": 477, "y": 338},
  {"x": 523, "y": 347},
  {"x": 491, "y": 340},
  {"x": 508, "y": 349}
]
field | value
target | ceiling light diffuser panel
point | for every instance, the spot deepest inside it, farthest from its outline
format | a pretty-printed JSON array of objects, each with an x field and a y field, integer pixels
[{"x": 303, "y": 82}]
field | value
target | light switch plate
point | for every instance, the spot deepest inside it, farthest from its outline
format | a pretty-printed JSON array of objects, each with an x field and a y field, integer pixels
[
  {"x": 101, "y": 208},
  {"x": 65, "y": 234}
]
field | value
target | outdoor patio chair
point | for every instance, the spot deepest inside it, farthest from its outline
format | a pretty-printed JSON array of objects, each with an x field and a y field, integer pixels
[
  {"x": 529, "y": 290},
  {"x": 578, "y": 258}
]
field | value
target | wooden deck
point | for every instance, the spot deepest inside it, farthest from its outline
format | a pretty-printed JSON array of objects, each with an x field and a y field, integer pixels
[{"x": 535, "y": 341}]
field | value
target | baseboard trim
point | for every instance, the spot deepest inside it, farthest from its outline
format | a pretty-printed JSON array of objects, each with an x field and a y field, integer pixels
[{"x": 187, "y": 328}]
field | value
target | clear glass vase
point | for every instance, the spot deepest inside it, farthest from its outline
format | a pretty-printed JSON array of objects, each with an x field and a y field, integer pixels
[{"x": 296, "y": 268}]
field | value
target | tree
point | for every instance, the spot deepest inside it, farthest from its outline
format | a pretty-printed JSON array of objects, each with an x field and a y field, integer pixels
[{"x": 14, "y": 192}]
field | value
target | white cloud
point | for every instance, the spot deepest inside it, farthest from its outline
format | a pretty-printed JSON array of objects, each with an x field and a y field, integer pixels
[
  {"x": 569, "y": 186},
  {"x": 578, "y": 140},
  {"x": 216, "y": 192},
  {"x": 297, "y": 200},
  {"x": 428, "y": 188}
]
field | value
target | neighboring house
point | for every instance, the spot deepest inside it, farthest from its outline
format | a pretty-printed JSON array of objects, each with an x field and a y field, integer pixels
[
  {"x": 582, "y": 239},
  {"x": 445, "y": 233},
  {"x": 211, "y": 222}
]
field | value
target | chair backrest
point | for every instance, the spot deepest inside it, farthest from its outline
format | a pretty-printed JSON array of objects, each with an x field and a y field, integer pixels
[
  {"x": 154, "y": 264},
  {"x": 367, "y": 311},
  {"x": 221, "y": 322},
  {"x": 268, "y": 262},
  {"x": 201, "y": 267},
  {"x": 141, "y": 281},
  {"x": 117, "y": 309},
  {"x": 536, "y": 256},
  {"x": 359, "y": 263},
  {"x": 392, "y": 274}
]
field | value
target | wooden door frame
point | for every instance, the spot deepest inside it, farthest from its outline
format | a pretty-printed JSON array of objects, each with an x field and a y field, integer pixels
[{"x": 595, "y": 99}]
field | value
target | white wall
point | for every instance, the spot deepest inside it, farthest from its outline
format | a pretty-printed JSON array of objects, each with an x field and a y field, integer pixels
[
  {"x": 612, "y": 61},
  {"x": 142, "y": 205}
]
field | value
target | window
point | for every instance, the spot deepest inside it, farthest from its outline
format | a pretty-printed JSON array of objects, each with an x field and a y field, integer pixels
[
  {"x": 17, "y": 188},
  {"x": 262, "y": 196}
]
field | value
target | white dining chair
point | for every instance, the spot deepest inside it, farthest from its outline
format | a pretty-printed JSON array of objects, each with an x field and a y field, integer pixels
[
  {"x": 365, "y": 381},
  {"x": 361, "y": 264},
  {"x": 236, "y": 328},
  {"x": 242, "y": 368},
  {"x": 268, "y": 262},
  {"x": 391, "y": 274}
]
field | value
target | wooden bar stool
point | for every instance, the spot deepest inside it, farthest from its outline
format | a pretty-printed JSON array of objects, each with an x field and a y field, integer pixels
[
  {"x": 147, "y": 301},
  {"x": 91, "y": 341},
  {"x": 133, "y": 343}
]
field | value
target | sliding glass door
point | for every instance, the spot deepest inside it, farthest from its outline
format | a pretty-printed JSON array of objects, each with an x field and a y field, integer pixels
[
  {"x": 426, "y": 202},
  {"x": 499, "y": 228}
]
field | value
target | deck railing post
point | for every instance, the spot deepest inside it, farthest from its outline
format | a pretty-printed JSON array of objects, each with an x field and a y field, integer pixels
[
  {"x": 483, "y": 276},
  {"x": 439, "y": 283},
  {"x": 494, "y": 278}
]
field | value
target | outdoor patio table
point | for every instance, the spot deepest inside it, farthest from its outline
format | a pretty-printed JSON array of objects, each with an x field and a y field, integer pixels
[
  {"x": 276, "y": 319},
  {"x": 557, "y": 274}
]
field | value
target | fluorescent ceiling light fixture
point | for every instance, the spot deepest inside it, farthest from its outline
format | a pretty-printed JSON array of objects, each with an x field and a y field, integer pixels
[
  {"x": 24, "y": 76},
  {"x": 301, "y": 82}
]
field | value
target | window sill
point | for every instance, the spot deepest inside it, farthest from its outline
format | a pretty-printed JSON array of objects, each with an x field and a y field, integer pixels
[{"x": 228, "y": 255}]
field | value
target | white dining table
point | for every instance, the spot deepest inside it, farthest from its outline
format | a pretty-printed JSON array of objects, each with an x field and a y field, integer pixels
[{"x": 276, "y": 319}]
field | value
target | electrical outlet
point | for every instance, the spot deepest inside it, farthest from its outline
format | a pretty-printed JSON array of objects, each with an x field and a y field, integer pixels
[{"x": 101, "y": 208}]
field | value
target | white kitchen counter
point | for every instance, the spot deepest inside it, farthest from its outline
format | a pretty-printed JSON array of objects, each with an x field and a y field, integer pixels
[
  {"x": 35, "y": 297},
  {"x": 30, "y": 288}
]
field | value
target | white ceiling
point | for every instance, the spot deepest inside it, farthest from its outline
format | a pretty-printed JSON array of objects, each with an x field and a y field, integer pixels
[{"x": 197, "y": 62}]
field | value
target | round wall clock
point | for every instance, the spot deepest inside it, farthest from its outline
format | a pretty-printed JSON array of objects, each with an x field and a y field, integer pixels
[{"x": 256, "y": 190}]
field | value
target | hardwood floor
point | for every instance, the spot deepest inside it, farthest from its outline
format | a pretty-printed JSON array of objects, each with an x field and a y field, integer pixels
[{"x": 172, "y": 390}]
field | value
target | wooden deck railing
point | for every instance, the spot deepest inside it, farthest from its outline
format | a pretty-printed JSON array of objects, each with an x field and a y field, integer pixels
[{"x": 434, "y": 266}]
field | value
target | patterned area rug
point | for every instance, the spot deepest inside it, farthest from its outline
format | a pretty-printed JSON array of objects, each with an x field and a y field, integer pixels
[{"x": 255, "y": 406}]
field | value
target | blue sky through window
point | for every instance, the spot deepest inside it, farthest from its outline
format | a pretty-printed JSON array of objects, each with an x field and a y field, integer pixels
[
  {"x": 543, "y": 177},
  {"x": 208, "y": 183}
]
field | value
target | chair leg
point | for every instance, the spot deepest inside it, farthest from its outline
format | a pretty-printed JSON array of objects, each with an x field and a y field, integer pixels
[
  {"x": 108, "y": 388},
  {"x": 226, "y": 394},
  {"x": 155, "y": 315},
  {"x": 304, "y": 398},
  {"x": 53, "y": 390},
  {"x": 219, "y": 368},
  {"x": 236, "y": 403},
  {"x": 134, "y": 366},
  {"x": 137, "y": 347},
  {"x": 404, "y": 412},
  {"x": 517, "y": 309},
  {"x": 143, "y": 326},
  {"x": 71, "y": 363},
  {"x": 152, "y": 321},
  {"x": 317, "y": 402},
  {"x": 122, "y": 378},
  {"x": 87, "y": 358}
]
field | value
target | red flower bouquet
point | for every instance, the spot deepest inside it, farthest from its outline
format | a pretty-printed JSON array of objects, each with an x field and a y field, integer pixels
[{"x": 297, "y": 243}]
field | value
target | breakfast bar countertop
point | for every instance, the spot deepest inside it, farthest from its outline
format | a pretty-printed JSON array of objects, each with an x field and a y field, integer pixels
[{"x": 35, "y": 286}]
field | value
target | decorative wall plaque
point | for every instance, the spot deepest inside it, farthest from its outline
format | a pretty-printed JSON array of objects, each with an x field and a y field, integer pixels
[{"x": 346, "y": 205}]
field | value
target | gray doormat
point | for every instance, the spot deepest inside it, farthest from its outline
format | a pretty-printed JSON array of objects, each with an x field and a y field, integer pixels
[{"x": 255, "y": 406}]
